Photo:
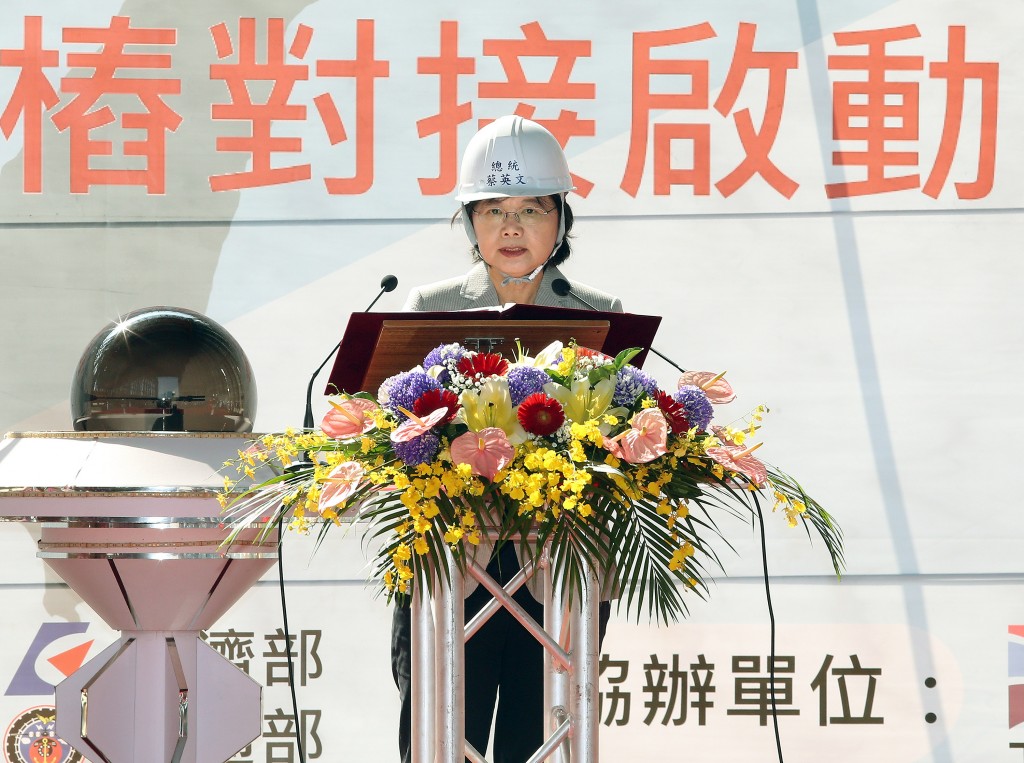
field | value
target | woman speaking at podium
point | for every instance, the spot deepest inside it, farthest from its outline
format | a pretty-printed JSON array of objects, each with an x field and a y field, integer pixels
[{"x": 512, "y": 187}]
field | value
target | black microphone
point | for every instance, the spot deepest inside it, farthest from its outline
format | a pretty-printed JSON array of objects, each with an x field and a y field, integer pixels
[
  {"x": 387, "y": 283},
  {"x": 562, "y": 288}
]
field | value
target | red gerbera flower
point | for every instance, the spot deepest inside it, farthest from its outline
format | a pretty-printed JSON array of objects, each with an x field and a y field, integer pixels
[
  {"x": 540, "y": 414},
  {"x": 483, "y": 364},
  {"x": 674, "y": 412},
  {"x": 433, "y": 399}
]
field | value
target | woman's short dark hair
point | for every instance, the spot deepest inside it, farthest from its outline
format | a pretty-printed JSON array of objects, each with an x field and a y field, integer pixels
[{"x": 564, "y": 249}]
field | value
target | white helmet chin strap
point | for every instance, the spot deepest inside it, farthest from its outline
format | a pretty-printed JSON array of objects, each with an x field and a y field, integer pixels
[{"x": 523, "y": 279}]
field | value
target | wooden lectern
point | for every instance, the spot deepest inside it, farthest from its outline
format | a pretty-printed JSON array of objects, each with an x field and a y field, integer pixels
[{"x": 378, "y": 345}]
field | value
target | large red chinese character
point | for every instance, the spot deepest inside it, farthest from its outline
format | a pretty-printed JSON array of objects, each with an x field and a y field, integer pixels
[
  {"x": 156, "y": 119},
  {"x": 33, "y": 95},
  {"x": 364, "y": 69},
  {"x": 875, "y": 111},
  {"x": 260, "y": 144},
  {"x": 645, "y": 68},
  {"x": 448, "y": 66},
  {"x": 557, "y": 87},
  {"x": 956, "y": 71},
  {"x": 756, "y": 143}
]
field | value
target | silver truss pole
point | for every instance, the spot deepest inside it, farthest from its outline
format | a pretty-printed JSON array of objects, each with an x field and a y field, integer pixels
[
  {"x": 552, "y": 743},
  {"x": 556, "y": 676},
  {"x": 584, "y": 628},
  {"x": 450, "y": 659},
  {"x": 423, "y": 677},
  {"x": 494, "y": 605},
  {"x": 520, "y": 614},
  {"x": 473, "y": 755}
]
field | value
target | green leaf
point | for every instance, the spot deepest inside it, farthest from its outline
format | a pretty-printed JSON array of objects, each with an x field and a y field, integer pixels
[{"x": 625, "y": 356}]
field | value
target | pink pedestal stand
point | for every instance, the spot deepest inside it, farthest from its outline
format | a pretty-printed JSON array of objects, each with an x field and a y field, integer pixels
[{"x": 131, "y": 522}]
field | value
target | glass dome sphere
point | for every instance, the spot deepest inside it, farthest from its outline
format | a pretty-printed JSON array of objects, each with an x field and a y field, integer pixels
[{"x": 164, "y": 369}]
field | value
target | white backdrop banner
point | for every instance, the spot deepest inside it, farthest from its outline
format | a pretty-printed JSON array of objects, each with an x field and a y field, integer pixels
[{"x": 822, "y": 198}]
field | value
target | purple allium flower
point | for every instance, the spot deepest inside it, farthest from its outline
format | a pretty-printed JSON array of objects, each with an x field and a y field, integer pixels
[
  {"x": 418, "y": 450},
  {"x": 524, "y": 381},
  {"x": 402, "y": 390},
  {"x": 446, "y": 356},
  {"x": 631, "y": 383},
  {"x": 698, "y": 408}
]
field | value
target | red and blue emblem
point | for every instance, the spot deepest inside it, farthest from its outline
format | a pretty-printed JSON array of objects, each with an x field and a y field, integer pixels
[{"x": 32, "y": 738}]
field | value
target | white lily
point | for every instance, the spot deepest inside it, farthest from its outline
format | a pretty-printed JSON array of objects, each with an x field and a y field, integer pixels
[
  {"x": 582, "y": 402},
  {"x": 491, "y": 406},
  {"x": 546, "y": 358}
]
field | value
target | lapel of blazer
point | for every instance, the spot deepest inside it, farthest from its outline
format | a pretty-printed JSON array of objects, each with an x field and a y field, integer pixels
[
  {"x": 546, "y": 295},
  {"x": 477, "y": 287}
]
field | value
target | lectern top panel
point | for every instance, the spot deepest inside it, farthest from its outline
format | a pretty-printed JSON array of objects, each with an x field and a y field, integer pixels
[
  {"x": 377, "y": 345},
  {"x": 403, "y": 344}
]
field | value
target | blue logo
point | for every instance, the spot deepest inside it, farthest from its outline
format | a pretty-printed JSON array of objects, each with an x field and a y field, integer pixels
[{"x": 26, "y": 679}]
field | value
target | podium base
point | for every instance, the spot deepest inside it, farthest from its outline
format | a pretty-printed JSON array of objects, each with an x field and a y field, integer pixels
[{"x": 158, "y": 696}]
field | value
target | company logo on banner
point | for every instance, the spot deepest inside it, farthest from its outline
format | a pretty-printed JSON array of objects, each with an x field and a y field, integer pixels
[
  {"x": 32, "y": 738},
  {"x": 1015, "y": 680},
  {"x": 58, "y": 650}
]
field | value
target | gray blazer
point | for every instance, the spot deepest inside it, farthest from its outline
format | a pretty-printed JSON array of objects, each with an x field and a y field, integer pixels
[{"x": 476, "y": 290}]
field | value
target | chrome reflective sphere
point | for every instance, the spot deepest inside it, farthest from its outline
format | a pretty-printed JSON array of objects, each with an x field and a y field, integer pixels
[{"x": 163, "y": 369}]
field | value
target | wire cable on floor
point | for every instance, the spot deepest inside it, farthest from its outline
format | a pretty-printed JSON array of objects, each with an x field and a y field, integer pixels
[
  {"x": 771, "y": 620},
  {"x": 288, "y": 646}
]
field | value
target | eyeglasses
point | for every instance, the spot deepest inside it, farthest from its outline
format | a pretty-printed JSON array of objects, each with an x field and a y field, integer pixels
[{"x": 494, "y": 217}]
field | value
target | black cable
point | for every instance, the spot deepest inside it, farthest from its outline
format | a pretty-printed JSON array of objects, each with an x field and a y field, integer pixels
[
  {"x": 771, "y": 619},
  {"x": 288, "y": 646},
  {"x": 387, "y": 283}
]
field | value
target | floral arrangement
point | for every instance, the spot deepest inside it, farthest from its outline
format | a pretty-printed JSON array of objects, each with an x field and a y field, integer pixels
[{"x": 570, "y": 448}]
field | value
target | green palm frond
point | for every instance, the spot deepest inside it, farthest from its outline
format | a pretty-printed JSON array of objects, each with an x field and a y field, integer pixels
[{"x": 814, "y": 517}]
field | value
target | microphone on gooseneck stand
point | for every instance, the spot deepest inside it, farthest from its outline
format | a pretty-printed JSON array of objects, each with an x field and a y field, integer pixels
[
  {"x": 671, "y": 363},
  {"x": 387, "y": 283},
  {"x": 562, "y": 288}
]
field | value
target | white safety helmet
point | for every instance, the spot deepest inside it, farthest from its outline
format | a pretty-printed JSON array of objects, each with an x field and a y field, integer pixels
[{"x": 509, "y": 157}]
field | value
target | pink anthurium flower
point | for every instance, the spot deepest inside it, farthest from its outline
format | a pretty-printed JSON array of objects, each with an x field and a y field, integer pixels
[
  {"x": 417, "y": 425},
  {"x": 715, "y": 386},
  {"x": 487, "y": 451},
  {"x": 348, "y": 419},
  {"x": 340, "y": 484},
  {"x": 738, "y": 459},
  {"x": 644, "y": 441}
]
